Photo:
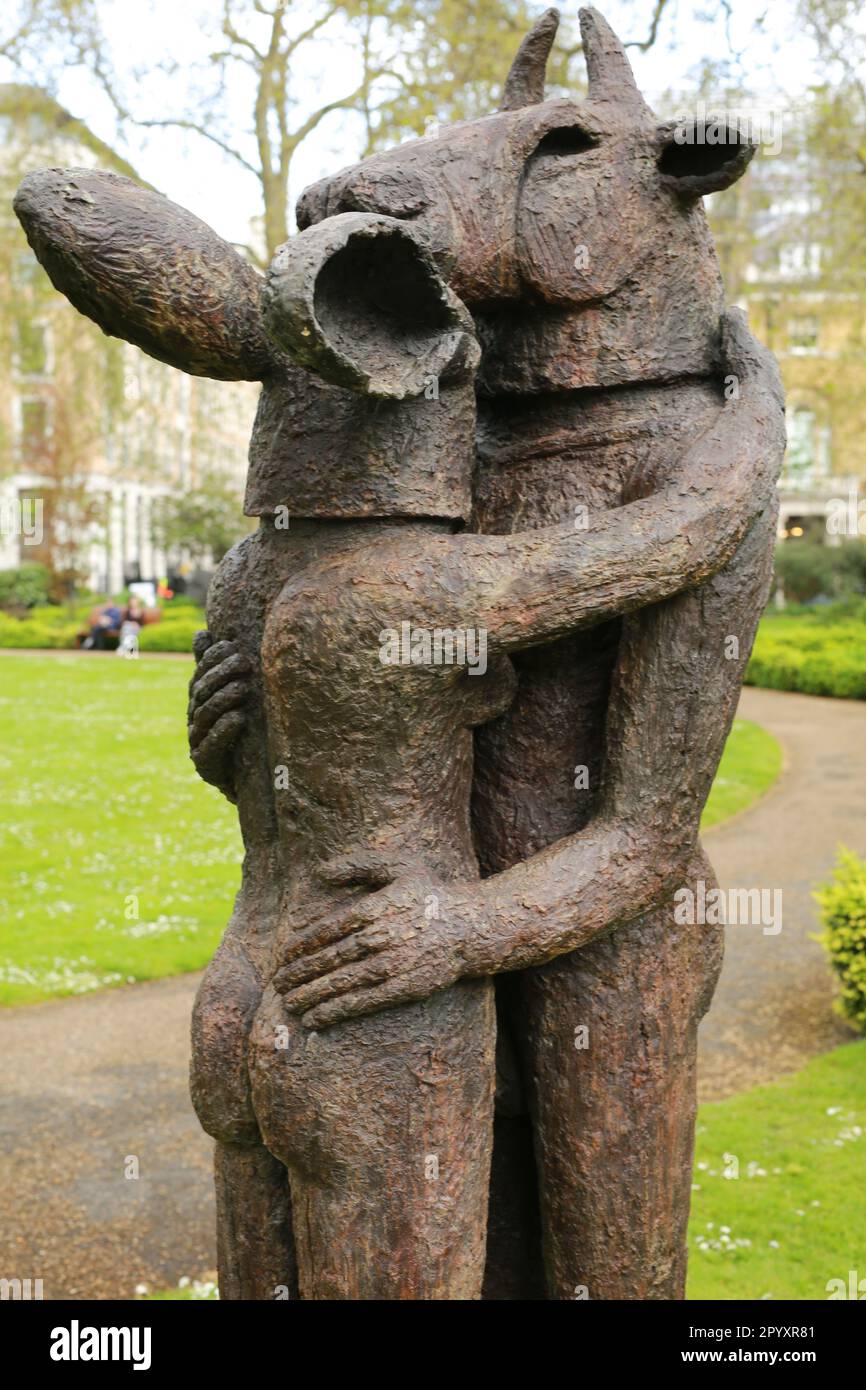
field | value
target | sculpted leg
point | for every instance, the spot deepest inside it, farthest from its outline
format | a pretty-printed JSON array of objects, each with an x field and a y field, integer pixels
[
  {"x": 614, "y": 1105},
  {"x": 614, "y": 1115},
  {"x": 255, "y": 1249},
  {"x": 385, "y": 1125}
]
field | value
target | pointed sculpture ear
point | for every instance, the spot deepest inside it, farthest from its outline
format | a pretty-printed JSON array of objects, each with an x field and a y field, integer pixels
[
  {"x": 610, "y": 79},
  {"x": 702, "y": 156},
  {"x": 524, "y": 85},
  {"x": 148, "y": 271}
]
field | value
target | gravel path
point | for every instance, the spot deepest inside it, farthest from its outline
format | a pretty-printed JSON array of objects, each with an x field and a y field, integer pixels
[{"x": 90, "y": 1082}]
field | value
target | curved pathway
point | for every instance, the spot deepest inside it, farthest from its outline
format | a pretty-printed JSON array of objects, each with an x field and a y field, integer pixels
[
  {"x": 89, "y": 1083},
  {"x": 773, "y": 1008}
]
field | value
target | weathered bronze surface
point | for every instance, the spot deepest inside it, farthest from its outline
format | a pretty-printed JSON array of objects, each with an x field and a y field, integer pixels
[{"x": 447, "y": 1046}]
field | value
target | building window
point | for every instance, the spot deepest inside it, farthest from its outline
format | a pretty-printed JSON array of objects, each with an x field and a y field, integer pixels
[
  {"x": 800, "y": 261},
  {"x": 803, "y": 334},
  {"x": 802, "y": 455},
  {"x": 34, "y": 427},
  {"x": 32, "y": 349}
]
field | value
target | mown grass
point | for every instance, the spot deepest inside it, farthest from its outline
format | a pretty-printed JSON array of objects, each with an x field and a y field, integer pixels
[
  {"x": 794, "y": 1217},
  {"x": 750, "y": 764},
  {"x": 116, "y": 862}
]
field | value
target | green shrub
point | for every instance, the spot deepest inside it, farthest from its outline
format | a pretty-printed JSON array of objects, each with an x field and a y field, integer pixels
[
  {"x": 24, "y": 587},
  {"x": 43, "y": 627},
  {"x": 804, "y": 569},
  {"x": 171, "y": 636},
  {"x": 819, "y": 650},
  {"x": 807, "y": 570},
  {"x": 843, "y": 915},
  {"x": 55, "y": 626}
]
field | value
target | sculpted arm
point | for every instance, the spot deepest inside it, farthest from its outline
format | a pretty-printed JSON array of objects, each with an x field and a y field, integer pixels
[
  {"x": 383, "y": 949},
  {"x": 673, "y": 700},
  {"x": 537, "y": 586}
]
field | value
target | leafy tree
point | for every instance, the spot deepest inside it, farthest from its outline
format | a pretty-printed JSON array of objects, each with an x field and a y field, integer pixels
[
  {"x": 201, "y": 524},
  {"x": 419, "y": 61},
  {"x": 41, "y": 37}
]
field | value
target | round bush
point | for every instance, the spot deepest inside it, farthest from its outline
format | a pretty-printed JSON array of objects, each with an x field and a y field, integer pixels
[{"x": 842, "y": 902}]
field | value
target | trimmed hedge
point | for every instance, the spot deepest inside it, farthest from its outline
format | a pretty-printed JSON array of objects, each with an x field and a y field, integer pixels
[
  {"x": 43, "y": 627},
  {"x": 172, "y": 634},
  {"x": 54, "y": 627},
  {"x": 842, "y": 902},
  {"x": 817, "y": 651}
]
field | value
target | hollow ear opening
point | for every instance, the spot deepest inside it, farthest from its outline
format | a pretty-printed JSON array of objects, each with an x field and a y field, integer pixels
[
  {"x": 374, "y": 299},
  {"x": 699, "y": 157},
  {"x": 359, "y": 300}
]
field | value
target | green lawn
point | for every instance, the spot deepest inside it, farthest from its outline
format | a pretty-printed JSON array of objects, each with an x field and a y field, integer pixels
[
  {"x": 750, "y": 764},
  {"x": 116, "y": 862},
  {"x": 795, "y": 1217},
  {"x": 106, "y": 819}
]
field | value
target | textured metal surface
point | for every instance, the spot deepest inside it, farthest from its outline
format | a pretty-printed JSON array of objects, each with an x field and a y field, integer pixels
[{"x": 433, "y": 906}]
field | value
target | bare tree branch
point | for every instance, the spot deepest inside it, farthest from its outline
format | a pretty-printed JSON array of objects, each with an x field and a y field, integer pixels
[{"x": 647, "y": 43}]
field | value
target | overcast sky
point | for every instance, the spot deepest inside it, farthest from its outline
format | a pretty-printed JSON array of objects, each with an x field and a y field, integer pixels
[{"x": 197, "y": 175}]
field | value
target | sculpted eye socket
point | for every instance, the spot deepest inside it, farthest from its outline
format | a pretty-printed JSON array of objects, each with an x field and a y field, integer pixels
[{"x": 569, "y": 139}]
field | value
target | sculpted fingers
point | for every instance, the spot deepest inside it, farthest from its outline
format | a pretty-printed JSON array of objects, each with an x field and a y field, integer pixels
[
  {"x": 209, "y": 756},
  {"x": 207, "y": 715},
  {"x": 355, "y": 976},
  {"x": 334, "y": 924},
  {"x": 208, "y": 655},
  {"x": 321, "y": 962},
  {"x": 217, "y": 692},
  {"x": 400, "y": 989},
  {"x": 215, "y": 676},
  {"x": 212, "y": 656},
  {"x": 200, "y": 644}
]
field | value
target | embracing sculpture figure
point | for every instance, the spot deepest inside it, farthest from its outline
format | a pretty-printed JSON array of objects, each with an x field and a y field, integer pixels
[{"x": 500, "y": 396}]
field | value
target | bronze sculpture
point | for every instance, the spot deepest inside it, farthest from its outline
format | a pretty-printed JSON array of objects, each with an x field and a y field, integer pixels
[{"x": 622, "y": 514}]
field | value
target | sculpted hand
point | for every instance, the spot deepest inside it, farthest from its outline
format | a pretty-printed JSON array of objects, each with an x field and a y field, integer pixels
[
  {"x": 402, "y": 943},
  {"x": 217, "y": 692}
]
